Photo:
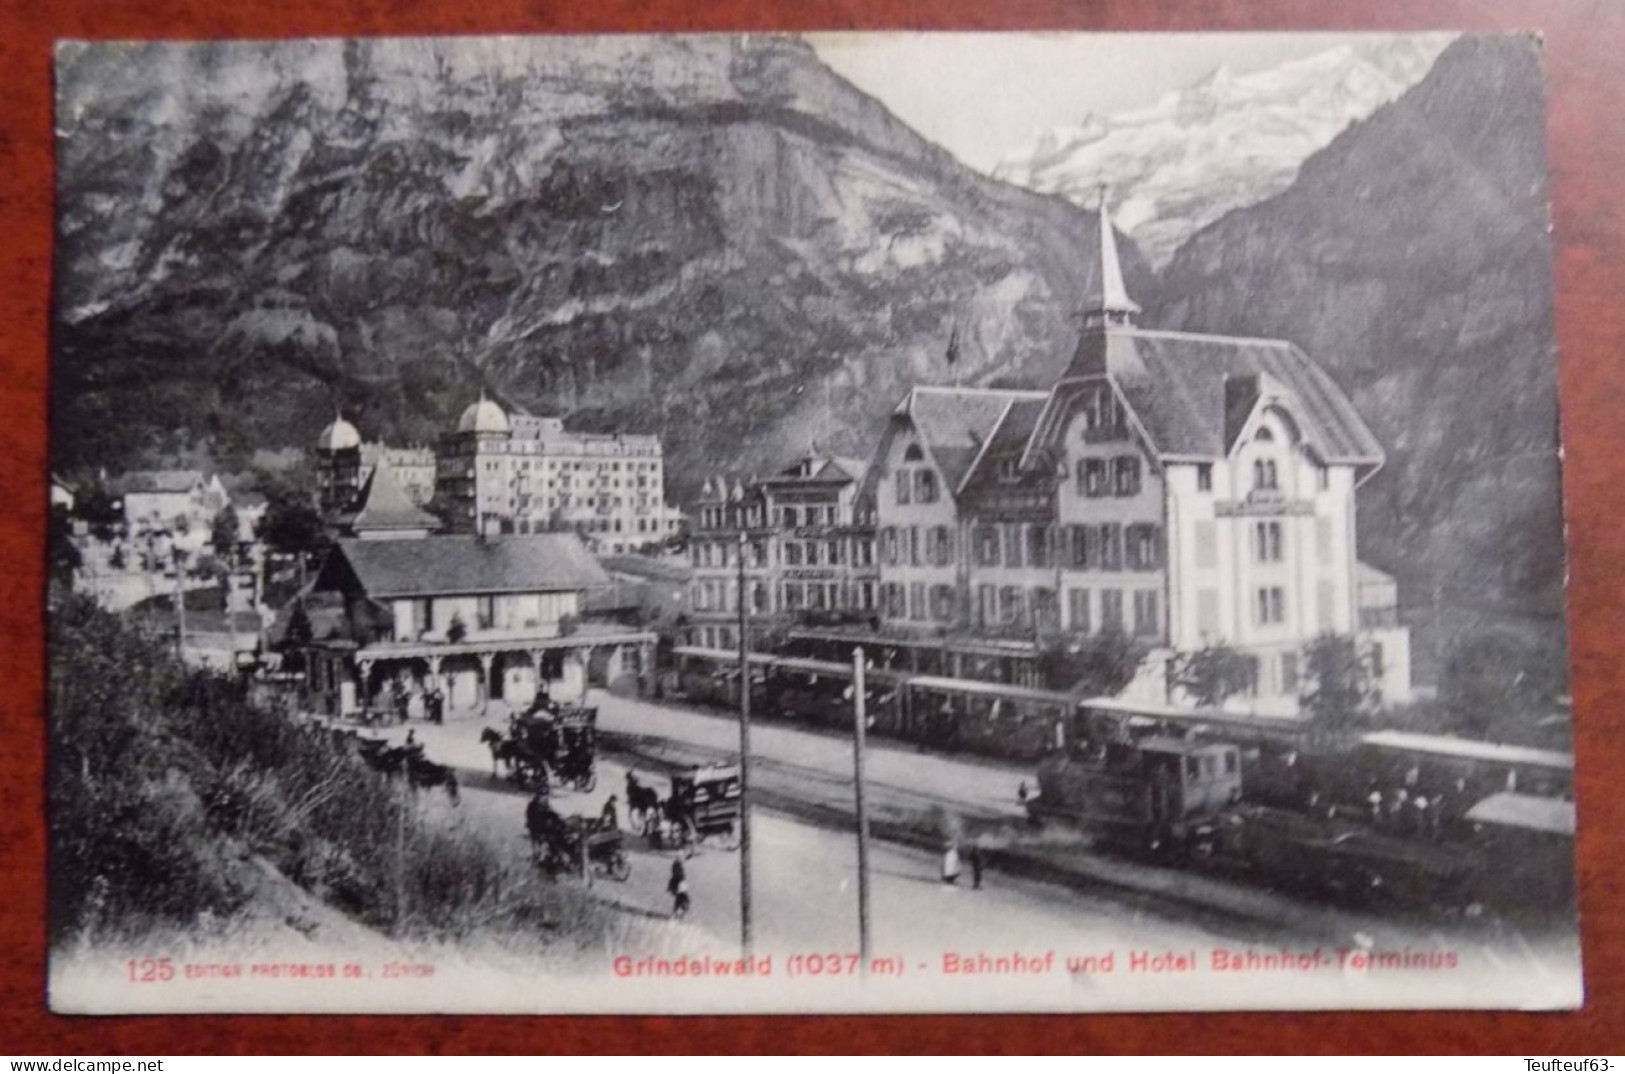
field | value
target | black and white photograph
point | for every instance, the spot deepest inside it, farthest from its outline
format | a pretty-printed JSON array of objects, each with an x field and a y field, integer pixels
[{"x": 863, "y": 522}]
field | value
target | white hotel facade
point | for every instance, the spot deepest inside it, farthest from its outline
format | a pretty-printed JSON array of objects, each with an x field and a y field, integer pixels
[{"x": 1188, "y": 490}]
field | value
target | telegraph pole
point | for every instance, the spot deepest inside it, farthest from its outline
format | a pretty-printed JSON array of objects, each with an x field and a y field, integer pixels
[
  {"x": 860, "y": 718},
  {"x": 744, "y": 754},
  {"x": 180, "y": 605}
]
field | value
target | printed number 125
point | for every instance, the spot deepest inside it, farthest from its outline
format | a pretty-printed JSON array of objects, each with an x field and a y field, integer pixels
[{"x": 150, "y": 970}]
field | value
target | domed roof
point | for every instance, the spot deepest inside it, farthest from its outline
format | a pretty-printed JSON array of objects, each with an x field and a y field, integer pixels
[
  {"x": 339, "y": 436},
  {"x": 483, "y": 416}
]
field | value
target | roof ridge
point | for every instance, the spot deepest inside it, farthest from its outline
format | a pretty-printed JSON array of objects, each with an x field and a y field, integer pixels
[
  {"x": 1010, "y": 393},
  {"x": 1205, "y": 337}
]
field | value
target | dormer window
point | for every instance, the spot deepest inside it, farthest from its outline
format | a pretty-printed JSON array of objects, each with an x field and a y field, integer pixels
[
  {"x": 1264, "y": 474},
  {"x": 1102, "y": 416}
]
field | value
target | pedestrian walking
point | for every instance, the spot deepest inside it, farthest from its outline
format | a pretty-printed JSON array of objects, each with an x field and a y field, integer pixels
[
  {"x": 976, "y": 866},
  {"x": 950, "y": 864},
  {"x": 677, "y": 886}
]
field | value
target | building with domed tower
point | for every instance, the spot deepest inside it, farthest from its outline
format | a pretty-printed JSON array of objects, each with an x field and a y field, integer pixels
[
  {"x": 473, "y": 614},
  {"x": 501, "y": 472},
  {"x": 344, "y": 463}
]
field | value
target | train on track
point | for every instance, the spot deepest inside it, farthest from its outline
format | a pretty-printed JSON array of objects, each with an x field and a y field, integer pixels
[{"x": 1409, "y": 818}]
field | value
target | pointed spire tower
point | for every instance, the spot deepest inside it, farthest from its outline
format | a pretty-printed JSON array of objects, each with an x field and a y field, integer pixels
[{"x": 1107, "y": 303}]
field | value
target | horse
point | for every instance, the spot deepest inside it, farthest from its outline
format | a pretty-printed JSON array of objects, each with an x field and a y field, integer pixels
[
  {"x": 503, "y": 750},
  {"x": 548, "y": 831},
  {"x": 424, "y": 774},
  {"x": 390, "y": 760},
  {"x": 642, "y": 802}
]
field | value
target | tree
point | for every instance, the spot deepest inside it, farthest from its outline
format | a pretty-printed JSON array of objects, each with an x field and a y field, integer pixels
[
  {"x": 101, "y": 511},
  {"x": 223, "y": 534},
  {"x": 1097, "y": 665},
  {"x": 64, "y": 554},
  {"x": 299, "y": 630},
  {"x": 1495, "y": 676},
  {"x": 1214, "y": 673},
  {"x": 1341, "y": 686},
  {"x": 291, "y": 525},
  {"x": 297, "y": 635}
]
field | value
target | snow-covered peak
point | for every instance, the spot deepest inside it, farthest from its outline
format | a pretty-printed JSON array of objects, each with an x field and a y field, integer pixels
[{"x": 1222, "y": 142}]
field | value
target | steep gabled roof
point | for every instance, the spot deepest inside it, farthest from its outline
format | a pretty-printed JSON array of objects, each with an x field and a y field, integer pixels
[
  {"x": 384, "y": 505},
  {"x": 819, "y": 468},
  {"x": 466, "y": 565},
  {"x": 1190, "y": 393},
  {"x": 1178, "y": 392},
  {"x": 1009, "y": 438},
  {"x": 157, "y": 481},
  {"x": 956, "y": 423}
]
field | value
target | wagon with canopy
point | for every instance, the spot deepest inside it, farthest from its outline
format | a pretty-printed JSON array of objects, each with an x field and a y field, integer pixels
[{"x": 704, "y": 807}]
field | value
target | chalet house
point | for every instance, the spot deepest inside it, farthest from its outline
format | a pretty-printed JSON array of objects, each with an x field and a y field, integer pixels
[
  {"x": 182, "y": 502},
  {"x": 62, "y": 493},
  {"x": 483, "y": 619},
  {"x": 1181, "y": 488}
]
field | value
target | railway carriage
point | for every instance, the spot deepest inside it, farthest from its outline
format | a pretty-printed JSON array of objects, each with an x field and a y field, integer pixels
[{"x": 987, "y": 718}]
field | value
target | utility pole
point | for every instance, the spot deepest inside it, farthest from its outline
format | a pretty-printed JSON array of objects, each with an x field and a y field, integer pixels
[
  {"x": 745, "y": 939},
  {"x": 180, "y": 604},
  {"x": 231, "y": 599},
  {"x": 860, "y": 719}
]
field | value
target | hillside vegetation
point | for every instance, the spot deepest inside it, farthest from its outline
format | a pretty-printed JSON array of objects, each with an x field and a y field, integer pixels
[
  {"x": 171, "y": 793},
  {"x": 715, "y": 239}
]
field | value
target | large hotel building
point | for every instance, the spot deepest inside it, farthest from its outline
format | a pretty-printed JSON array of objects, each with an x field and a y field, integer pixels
[
  {"x": 808, "y": 545},
  {"x": 501, "y": 473},
  {"x": 1187, "y": 490}
]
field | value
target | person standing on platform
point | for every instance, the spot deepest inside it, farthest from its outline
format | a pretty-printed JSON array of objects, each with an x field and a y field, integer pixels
[
  {"x": 678, "y": 888},
  {"x": 950, "y": 864}
]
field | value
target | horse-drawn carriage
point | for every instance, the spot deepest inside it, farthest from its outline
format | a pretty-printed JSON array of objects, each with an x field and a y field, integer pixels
[
  {"x": 562, "y": 845},
  {"x": 562, "y": 743},
  {"x": 704, "y": 807}
]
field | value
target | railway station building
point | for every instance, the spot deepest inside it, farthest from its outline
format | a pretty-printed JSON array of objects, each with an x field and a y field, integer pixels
[
  {"x": 479, "y": 618},
  {"x": 1185, "y": 489}
]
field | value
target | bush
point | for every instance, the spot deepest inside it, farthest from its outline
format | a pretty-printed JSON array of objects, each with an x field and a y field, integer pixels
[
  {"x": 164, "y": 780},
  {"x": 1215, "y": 673},
  {"x": 1494, "y": 678},
  {"x": 1095, "y": 665}
]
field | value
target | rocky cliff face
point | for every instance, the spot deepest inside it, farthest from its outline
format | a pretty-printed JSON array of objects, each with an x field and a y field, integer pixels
[
  {"x": 1222, "y": 143},
  {"x": 1411, "y": 259},
  {"x": 713, "y": 239}
]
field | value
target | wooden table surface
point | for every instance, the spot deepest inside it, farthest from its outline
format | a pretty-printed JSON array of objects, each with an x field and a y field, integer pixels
[{"x": 1585, "y": 39}]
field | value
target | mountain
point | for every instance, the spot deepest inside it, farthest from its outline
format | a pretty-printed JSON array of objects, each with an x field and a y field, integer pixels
[
  {"x": 715, "y": 239},
  {"x": 1224, "y": 142},
  {"x": 1411, "y": 259}
]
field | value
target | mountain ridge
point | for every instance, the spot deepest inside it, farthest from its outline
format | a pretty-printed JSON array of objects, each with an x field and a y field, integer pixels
[
  {"x": 600, "y": 228},
  {"x": 1411, "y": 260},
  {"x": 1223, "y": 142}
]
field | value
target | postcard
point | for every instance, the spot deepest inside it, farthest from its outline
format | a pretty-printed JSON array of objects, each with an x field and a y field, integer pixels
[{"x": 837, "y": 522}]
